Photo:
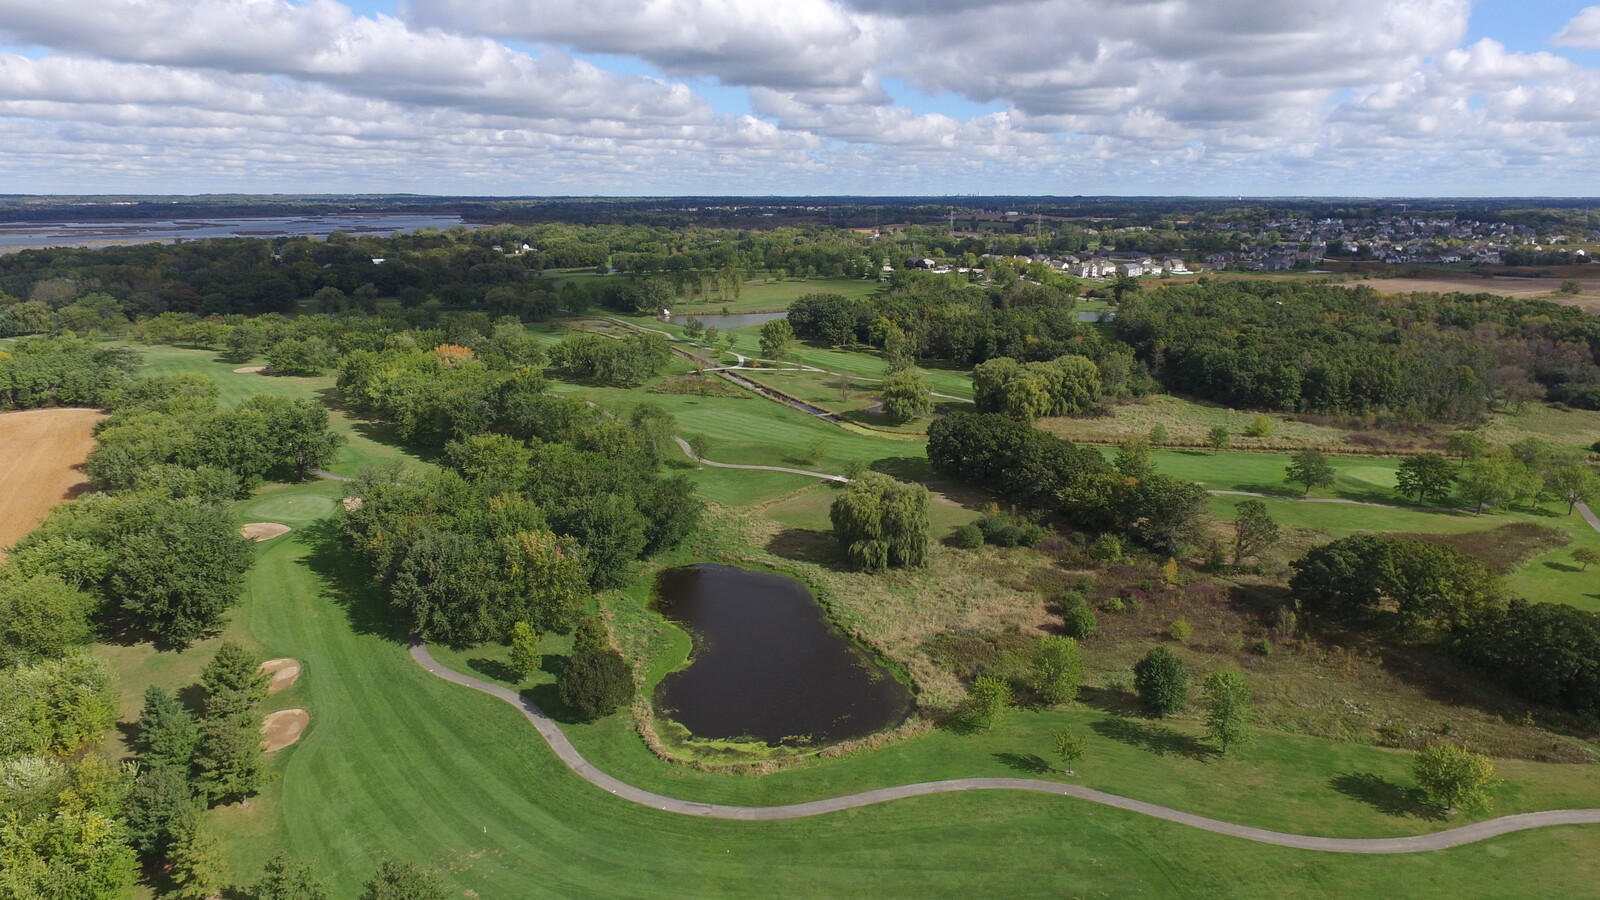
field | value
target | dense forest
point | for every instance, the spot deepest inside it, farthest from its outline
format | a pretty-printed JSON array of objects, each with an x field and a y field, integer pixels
[{"x": 1303, "y": 347}]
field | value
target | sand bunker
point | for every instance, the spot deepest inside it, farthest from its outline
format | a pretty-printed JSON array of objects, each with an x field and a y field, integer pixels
[
  {"x": 284, "y": 727},
  {"x": 263, "y": 531},
  {"x": 284, "y": 672},
  {"x": 351, "y": 504},
  {"x": 250, "y": 370}
]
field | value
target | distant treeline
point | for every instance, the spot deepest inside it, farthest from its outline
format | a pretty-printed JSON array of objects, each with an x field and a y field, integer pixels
[{"x": 1323, "y": 349}]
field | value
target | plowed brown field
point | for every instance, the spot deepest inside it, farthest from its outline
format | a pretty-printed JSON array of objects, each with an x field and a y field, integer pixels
[{"x": 41, "y": 452}]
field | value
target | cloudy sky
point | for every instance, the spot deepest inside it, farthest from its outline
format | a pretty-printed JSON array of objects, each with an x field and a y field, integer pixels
[{"x": 1254, "y": 97}]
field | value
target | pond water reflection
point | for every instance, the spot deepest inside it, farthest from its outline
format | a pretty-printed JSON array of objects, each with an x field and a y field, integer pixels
[{"x": 767, "y": 663}]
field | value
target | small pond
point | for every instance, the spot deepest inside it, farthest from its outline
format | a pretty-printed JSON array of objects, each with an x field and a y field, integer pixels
[
  {"x": 732, "y": 320},
  {"x": 767, "y": 664},
  {"x": 1096, "y": 315}
]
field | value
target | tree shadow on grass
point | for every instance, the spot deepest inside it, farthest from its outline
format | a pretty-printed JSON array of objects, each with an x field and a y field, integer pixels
[
  {"x": 1109, "y": 700},
  {"x": 804, "y": 545},
  {"x": 1386, "y": 797},
  {"x": 1561, "y": 566},
  {"x": 548, "y": 698},
  {"x": 347, "y": 580},
  {"x": 903, "y": 468},
  {"x": 1158, "y": 739},
  {"x": 1032, "y": 763},
  {"x": 495, "y": 669},
  {"x": 1272, "y": 490}
]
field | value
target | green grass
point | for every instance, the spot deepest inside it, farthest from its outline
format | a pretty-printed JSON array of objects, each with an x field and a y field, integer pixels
[
  {"x": 399, "y": 764},
  {"x": 756, "y": 431},
  {"x": 1356, "y": 478},
  {"x": 758, "y": 295},
  {"x": 1550, "y": 577}
]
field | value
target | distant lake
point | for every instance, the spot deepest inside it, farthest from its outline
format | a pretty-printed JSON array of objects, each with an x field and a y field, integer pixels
[{"x": 23, "y": 235}]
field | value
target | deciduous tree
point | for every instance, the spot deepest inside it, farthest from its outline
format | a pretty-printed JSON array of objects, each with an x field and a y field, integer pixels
[
  {"x": 880, "y": 522},
  {"x": 1309, "y": 468},
  {"x": 1057, "y": 670},
  {"x": 525, "y": 656},
  {"x": 1425, "y": 475},
  {"x": 1254, "y": 530},
  {"x": 1228, "y": 713},
  {"x": 990, "y": 696},
  {"x": 1454, "y": 777}
]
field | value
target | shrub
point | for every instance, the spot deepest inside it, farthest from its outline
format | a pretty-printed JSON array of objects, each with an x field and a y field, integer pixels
[
  {"x": 1113, "y": 604},
  {"x": 990, "y": 697},
  {"x": 1260, "y": 426},
  {"x": 1264, "y": 647},
  {"x": 1031, "y": 535},
  {"x": 1180, "y": 629},
  {"x": 1077, "y": 618},
  {"x": 1001, "y": 530},
  {"x": 1162, "y": 681},
  {"x": 1057, "y": 670},
  {"x": 967, "y": 537},
  {"x": 1107, "y": 548},
  {"x": 594, "y": 683}
]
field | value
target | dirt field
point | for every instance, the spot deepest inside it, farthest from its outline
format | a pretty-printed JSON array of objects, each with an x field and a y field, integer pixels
[
  {"x": 1502, "y": 285},
  {"x": 41, "y": 450}
]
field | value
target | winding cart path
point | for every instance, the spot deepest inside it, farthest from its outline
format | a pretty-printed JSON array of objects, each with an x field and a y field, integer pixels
[{"x": 574, "y": 760}]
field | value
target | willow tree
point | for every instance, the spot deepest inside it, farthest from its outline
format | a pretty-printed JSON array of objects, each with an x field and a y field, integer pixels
[{"x": 881, "y": 522}]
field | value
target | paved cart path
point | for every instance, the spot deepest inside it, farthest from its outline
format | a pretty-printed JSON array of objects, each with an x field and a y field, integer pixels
[{"x": 569, "y": 755}]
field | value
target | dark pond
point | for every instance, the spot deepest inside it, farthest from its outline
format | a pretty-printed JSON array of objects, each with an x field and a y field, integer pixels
[
  {"x": 767, "y": 663},
  {"x": 731, "y": 320}
]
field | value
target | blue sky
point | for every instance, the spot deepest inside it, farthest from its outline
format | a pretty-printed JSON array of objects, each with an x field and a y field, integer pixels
[{"x": 808, "y": 96}]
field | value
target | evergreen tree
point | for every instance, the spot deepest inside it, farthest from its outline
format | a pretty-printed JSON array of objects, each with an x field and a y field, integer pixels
[
  {"x": 1162, "y": 680},
  {"x": 285, "y": 879},
  {"x": 594, "y": 683},
  {"x": 235, "y": 669},
  {"x": 196, "y": 863},
  {"x": 160, "y": 806},
  {"x": 229, "y": 760},
  {"x": 168, "y": 735},
  {"x": 403, "y": 882}
]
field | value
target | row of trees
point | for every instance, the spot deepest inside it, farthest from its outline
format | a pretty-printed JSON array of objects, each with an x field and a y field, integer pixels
[
  {"x": 1041, "y": 471},
  {"x": 186, "y": 761},
  {"x": 62, "y": 372},
  {"x": 628, "y": 362},
  {"x": 1064, "y": 386},
  {"x": 1423, "y": 592},
  {"x": 170, "y": 429}
]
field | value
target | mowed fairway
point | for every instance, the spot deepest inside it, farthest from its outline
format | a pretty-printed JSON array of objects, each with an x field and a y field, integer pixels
[
  {"x": 43, "y": 450},
  {"x": 399, "y": 764}
]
